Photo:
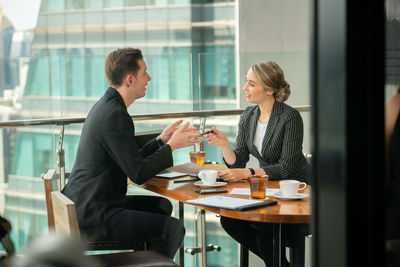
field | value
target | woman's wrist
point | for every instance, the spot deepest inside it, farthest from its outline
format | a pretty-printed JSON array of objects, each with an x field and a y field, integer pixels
[
  {"x": 252, "y": 172},
  {"x": 229, "y": 155},
  {"x": 260, "y": 172},
  {"x": 227, "y": 148}
]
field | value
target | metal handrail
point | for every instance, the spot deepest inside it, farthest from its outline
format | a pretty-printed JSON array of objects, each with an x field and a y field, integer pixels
[{"x": 190, "y": 114}]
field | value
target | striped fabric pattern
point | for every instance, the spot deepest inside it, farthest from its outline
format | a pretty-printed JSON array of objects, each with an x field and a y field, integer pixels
[{"x": 282, "y": 156}]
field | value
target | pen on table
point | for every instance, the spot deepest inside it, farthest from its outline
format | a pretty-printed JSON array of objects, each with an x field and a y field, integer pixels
[{"x": 185, "y": 180}]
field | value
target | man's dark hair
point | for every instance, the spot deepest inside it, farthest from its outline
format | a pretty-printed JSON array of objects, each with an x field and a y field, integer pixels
[{"x": 121, "y": 62}]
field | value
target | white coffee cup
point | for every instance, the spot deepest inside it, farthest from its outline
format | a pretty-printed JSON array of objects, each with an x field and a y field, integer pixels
[
  {"x": 208, "y": 177},
  {"x": 289, "y": 188}
]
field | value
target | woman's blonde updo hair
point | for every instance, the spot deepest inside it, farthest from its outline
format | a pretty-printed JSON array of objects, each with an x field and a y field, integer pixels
[{"x": 271, "y": 77}]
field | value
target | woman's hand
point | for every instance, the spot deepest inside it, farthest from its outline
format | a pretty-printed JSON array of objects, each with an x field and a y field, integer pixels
[
  {"x": 217, "y": 138},
  {"x": 234, "y": 175}
]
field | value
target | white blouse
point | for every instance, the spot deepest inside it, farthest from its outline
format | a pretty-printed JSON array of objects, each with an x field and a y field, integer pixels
[{"x": 259, "y": 136}]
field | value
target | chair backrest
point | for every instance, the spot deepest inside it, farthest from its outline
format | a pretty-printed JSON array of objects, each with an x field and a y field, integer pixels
[
  {"x": 51, "y": 183},
  {"x": 65, "y": 219},
  {"x": 69, "y": 222},
  {"x": 48, "y": 180}
]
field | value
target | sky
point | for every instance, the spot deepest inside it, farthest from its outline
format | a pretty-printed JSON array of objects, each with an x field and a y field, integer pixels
[{"x": 21, "y": 13}]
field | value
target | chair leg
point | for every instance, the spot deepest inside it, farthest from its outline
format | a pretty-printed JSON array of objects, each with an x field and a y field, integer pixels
[
  {"x": 292, "y": 256},
  {"x": 244, "y": 256},
  {"x": 299, "y": 249}
]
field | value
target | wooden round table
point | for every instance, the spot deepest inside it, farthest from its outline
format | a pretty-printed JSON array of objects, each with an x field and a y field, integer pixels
[{"x": 285, "y": 212}]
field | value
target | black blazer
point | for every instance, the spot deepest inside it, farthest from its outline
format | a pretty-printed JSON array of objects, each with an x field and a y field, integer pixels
[
  {"x": 106, "y": 156},
  {"x": 282, "y": 156}
]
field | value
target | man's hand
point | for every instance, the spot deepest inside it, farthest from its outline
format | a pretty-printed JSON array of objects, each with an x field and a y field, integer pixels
[
  {"x": 184, "y": 136},
  {"x": 234, "y": 175},
  {"x": 169, "y": 131}
]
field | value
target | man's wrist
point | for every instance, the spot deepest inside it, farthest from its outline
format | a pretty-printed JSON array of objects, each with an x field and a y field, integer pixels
[{"x": 159, "y": 141}]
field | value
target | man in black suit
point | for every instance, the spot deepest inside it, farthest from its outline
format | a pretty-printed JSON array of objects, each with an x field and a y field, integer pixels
[{"x": 108, "y": 154}]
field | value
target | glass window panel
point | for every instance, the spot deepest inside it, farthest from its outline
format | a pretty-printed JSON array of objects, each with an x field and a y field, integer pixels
[
  {"x": 57, "y": 77},
  {"x": 30, "y": 146},
  {"x": 115, "y": 37},
  {"x": 75, "y": 73},
  {"x": 74, "y": 19},
  {"x": 24, "y": 151},
  {"x": 157, "y": 15},
  {"x": 54, "y": 20},
  {"x": 179, "y": 2},
  {"x": 135, "y": 16},
  {"x": 135, "y": 2},
  {"x": 224, "y": 13},
  {"x": 54, "y": 39},
  {"x": 157, "y": 2},
  {"x": 180, "y": 14},
  {"x": 158, "y": 87},
  {"x": 96, "y": 81},
  {"x": 94, "y": 17},
  {"x": 9, "y": 79},
  {"x": 94, "y": 4},
  {"x": 113, "y": 3},
  {"x": 136, "y": 37},
  {"x": 201, "y": 1},
  {"x": 51, "y": 5},
  {"x": 210, "y": 13},
  {"x": 94, "y": 37},
  {"x": 180, "y": 77},
  {"x": 158, "y": 36},
  {"x": 41, "y": 21},
  {"x": 114, "y": 17},
  {"x": 180, "y": 36},
  {"x": 226, "y": 34},
  {"x": 38, "y": 81},
  {"x": 74, "y": 4},
  {"x": 75, "y": 38},
  {"x": 217, "y": 74}
]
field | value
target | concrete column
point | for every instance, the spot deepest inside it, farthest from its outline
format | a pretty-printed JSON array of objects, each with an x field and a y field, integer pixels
[
  {"x": 274, "y": 30},
  {"x": 279, "y": 31}
]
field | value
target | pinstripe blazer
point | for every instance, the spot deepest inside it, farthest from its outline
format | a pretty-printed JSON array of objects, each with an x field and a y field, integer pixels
[{"x": 282, "y": 156}]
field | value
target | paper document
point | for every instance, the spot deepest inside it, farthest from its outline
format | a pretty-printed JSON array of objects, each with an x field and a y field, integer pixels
[
  {"x": 232, "y": 203},
  {"x": 246, "y": 191},
  {"x": 189, "y": 167},
  {"x": 169, "y": 174}
]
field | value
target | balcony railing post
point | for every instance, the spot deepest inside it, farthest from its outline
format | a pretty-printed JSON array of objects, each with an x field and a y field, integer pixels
[
  {"x": 61, "y": 159},
  {"x": 202, "y": 127}
]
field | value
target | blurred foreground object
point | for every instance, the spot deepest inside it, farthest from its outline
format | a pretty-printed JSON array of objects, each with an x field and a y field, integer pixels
[
  {"x": 5, "y": 230},
  {"x": 55, "y": 250}
]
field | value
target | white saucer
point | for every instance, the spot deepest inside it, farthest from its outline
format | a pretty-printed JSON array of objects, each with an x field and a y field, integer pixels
[
  {"x": 298, "y": 196},
  {"x": 217, "y": 184}
]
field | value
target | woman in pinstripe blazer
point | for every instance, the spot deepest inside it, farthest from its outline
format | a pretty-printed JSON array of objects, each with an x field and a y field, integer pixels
[{"x": 273, "y": 133}]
